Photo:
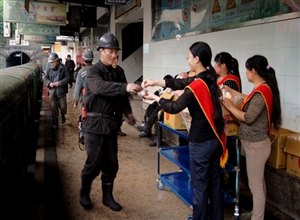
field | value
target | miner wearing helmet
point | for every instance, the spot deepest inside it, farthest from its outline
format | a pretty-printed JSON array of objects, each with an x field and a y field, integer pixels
[
  {"x": 71, "y": 68},
  {"x": 105, "y": 94},
  {"x": 56, "y": 79},
  {"x": 88, "y": 57}
]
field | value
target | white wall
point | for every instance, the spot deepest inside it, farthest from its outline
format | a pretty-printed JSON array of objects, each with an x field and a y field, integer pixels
[
  {"x": 279, "y": 42},
  {"x": 63, "y": 53}
]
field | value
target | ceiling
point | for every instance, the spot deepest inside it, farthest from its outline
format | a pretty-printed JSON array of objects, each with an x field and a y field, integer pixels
[
  {"x": 97, "y": 3},
  {"x": 133, "y": 16}
]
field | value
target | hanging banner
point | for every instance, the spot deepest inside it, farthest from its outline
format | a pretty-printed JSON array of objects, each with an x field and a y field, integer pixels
[
  {"x": 39, "y": 12},
  {"x": 37, "y": 38},
  {"x": 6, "y": 29},
  {"x": 38, "y": 29},
  {"x": 16, "y": 43}
]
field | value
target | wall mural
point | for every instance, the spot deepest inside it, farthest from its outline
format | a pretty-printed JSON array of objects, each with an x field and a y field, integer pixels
[
  {"x": 39, "y": 12},
  {"x": 173, "y": 18}
]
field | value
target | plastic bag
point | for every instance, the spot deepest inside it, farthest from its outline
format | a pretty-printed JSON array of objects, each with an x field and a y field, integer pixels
[{"x": 186, "y": 118}]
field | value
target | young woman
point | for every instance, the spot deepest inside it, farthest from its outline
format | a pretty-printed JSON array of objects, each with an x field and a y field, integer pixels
[
  {"x": 227, "y": 68},
  {"x": 207, "y": 139},
  {"x": 260, "y": 109}
]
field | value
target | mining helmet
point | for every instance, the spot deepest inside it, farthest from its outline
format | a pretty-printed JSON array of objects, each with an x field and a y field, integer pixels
[
  {"x": 53, "y": 57},
  {"x": 88, "y": 55},
  {"x": 108, "y": 40}
]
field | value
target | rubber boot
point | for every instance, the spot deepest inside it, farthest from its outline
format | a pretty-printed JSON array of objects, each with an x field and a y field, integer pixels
[
  {"x": 107, "y": 197},
  {"x": 153, "y": 143},
  {"x": 141, "y": 127},
  {"x": 63, "y": 119},
  {"x": 146, "y": 128},
  {"x": 143, "y": 134},
  {"x": 85, "y": 199}
]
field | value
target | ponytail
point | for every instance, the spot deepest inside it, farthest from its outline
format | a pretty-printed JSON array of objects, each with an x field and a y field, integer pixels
[
  {"x": 265, "y": 71},
  {"x": 215, "y": 95},
  {"x": 272, "y": 82}
]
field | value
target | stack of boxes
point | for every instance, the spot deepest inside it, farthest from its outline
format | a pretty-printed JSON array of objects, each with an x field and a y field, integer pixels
[
  {"x": 173, "y": 120},
  {"x": 285, "y": 151},
  {"x": 292, "y": 149},
  {"x": 277, "y": 157}
]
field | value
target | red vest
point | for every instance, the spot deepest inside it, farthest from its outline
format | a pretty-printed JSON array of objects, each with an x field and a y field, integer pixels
[
  {"x": 202, "y": 94},
  {"x": 266, "y": 93},
  {"x": 233, "y": 78}
]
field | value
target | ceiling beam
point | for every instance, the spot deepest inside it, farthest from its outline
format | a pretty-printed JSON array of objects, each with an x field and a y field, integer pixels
[{"x": 96, "y": 3}]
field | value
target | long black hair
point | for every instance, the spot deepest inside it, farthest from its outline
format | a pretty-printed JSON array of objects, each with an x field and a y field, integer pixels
[
  {"x": 203, "y": 51},
  {"x": 231, "y": 63},
  {"x": 260, "y": 64}
]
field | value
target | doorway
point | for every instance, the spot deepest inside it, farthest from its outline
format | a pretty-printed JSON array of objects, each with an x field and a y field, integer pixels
[{"x": 17, "y": 58}]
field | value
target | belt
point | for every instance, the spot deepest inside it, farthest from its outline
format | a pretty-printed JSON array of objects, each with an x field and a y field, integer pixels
[
  {"x": 93, "y": 114},
  {"x": 97, "y": 114}
]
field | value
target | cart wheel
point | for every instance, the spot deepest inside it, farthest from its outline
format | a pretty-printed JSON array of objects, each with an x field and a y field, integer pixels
[
  {"x": 160, "y": 185},
  {"x": 190, "y": 217}
]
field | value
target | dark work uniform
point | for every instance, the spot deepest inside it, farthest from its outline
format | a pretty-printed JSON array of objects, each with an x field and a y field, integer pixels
[
  {"x": 105, "y": 95},
  {"x": 70, "y": 66},
  {"x": 57, "y": 94},
  {"x": 121, "y": 72},
  {"x": 204, "y": 151}
]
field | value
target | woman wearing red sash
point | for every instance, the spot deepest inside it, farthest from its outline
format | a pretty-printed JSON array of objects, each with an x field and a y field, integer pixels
[
  {"x": 227, "y": 69},
  {"x": 260, "y": 109},
  {"x": 207, "y": 139}
]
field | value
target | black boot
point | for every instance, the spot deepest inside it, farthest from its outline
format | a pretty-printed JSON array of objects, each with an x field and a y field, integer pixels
[
  {"x": 143, "y": 134},
  {"x": 85, "y": 199},
  {"x": 144, "y": 123},
  {"x": 107, "y": 197},
  {"x": 121, "y": 133},
  {"x": 153, "y": 143},
  {"x": 63, "y": 119}
]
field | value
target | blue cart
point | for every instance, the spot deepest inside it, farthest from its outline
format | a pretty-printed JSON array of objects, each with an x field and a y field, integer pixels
[{"x": 179, "y": 181}]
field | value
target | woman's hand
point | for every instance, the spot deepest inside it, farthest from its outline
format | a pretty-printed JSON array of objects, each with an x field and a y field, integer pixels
[
  {"x": 151, "y": 96},
  {"x": 227, "y": 103},
  {"x": 147, "y": 82},
  {"x": 228, "y": 89},
  {"x": 182, "y": 75}
]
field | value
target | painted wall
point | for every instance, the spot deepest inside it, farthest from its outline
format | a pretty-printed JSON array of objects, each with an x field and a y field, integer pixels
[{"x": 278, "y": 41}]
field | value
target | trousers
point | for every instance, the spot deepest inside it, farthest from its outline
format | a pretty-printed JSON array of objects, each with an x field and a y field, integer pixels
[
  {"x": 257, "y": 154},
  {"x": 57, "y": 103},
  {"x": 102, "y": 156},
  {"x": 205, "y": 176}
]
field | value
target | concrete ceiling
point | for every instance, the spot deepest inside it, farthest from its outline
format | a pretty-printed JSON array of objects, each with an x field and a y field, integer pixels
[
  {"x": 135, "y": 15},
  {"x": 131, "y": 17}
]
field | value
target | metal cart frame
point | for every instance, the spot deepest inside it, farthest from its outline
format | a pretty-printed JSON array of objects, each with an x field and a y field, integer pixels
[{"x": 180, "y": 182}]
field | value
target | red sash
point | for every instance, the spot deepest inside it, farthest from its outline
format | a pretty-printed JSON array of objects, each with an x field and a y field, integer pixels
[
  {"x": 202, "y": 94},
  {"x": 233, "y": 78},
  {"x": 266, "y": 93}
]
